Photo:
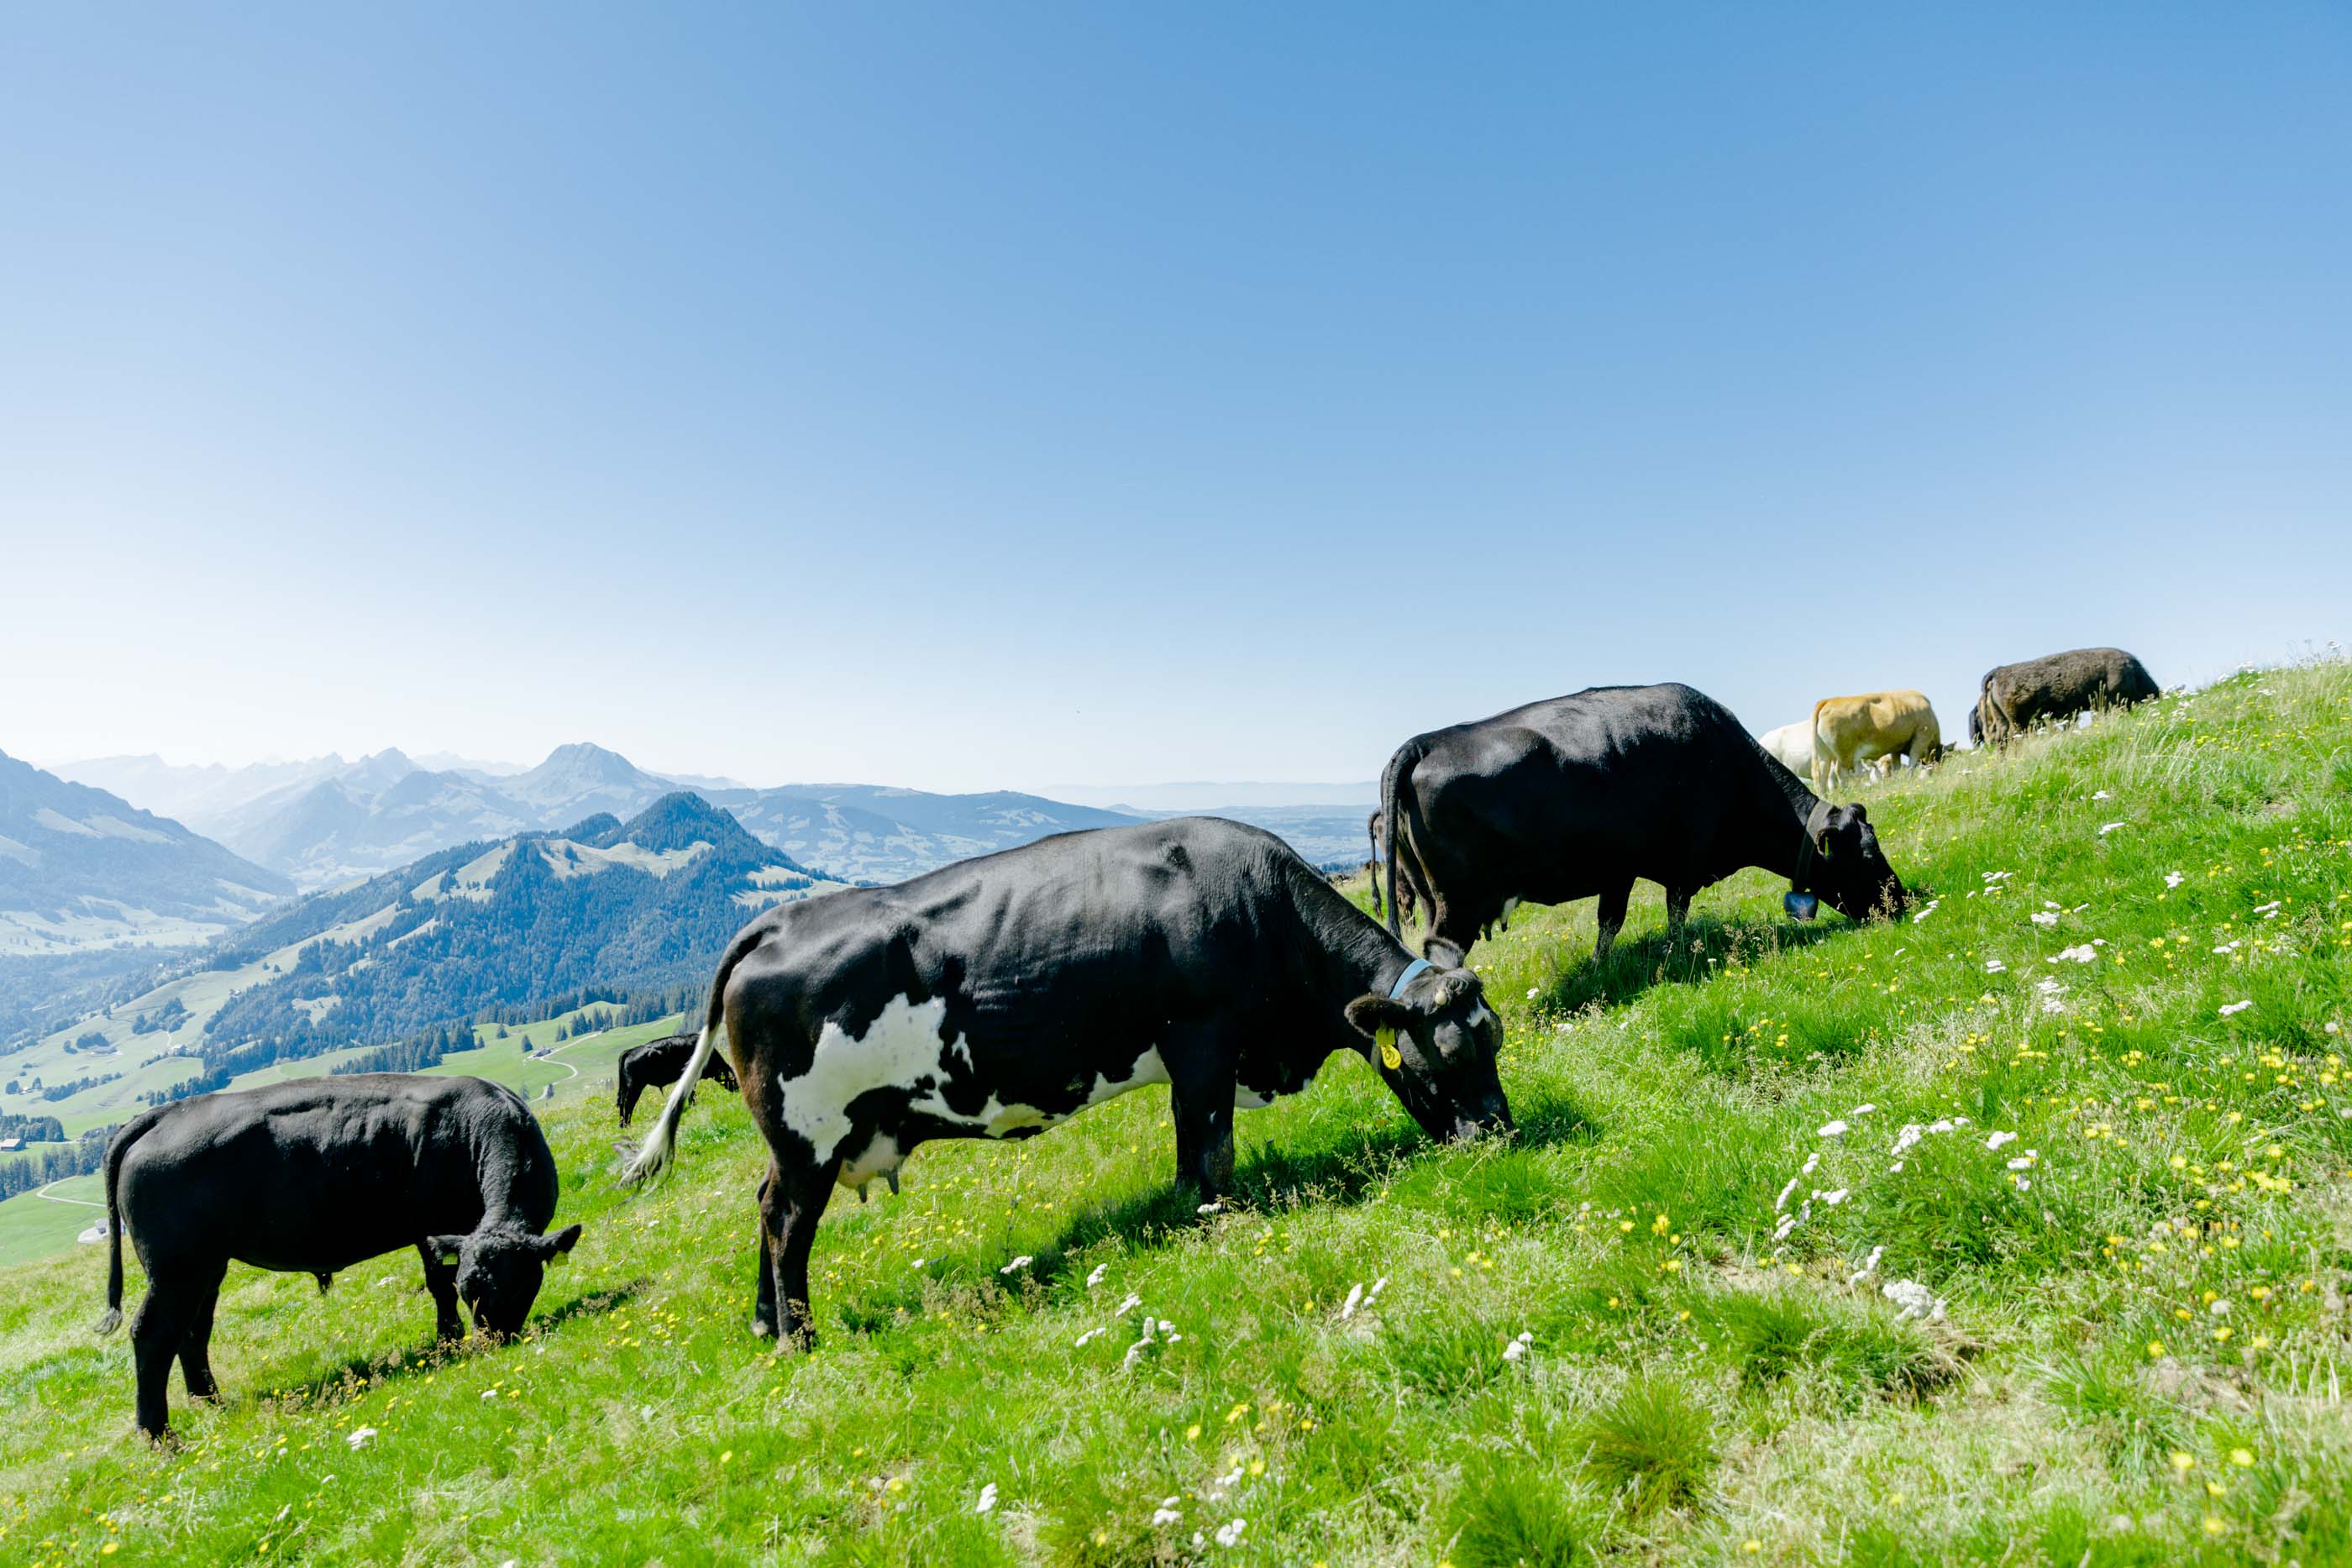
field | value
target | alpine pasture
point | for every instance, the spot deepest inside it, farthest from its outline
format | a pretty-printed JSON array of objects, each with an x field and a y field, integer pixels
[{"x": 2083, "y": 1109}]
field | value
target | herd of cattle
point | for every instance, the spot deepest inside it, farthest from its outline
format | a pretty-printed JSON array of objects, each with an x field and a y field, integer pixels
[{"x": 997, "y": 997}]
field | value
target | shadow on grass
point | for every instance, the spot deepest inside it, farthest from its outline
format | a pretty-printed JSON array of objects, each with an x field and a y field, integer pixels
[
  {"x": 339, "y": 1383},
  {"x": 1274, "y": 1178},
  {"x": 1635, "y": 964}
]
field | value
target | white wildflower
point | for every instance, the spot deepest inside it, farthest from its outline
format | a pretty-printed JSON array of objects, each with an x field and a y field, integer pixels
[
  {"x": 1781, "y": 1202},
  {"x": 1092, "y": 1333},
  {"x": 1834, "y": 1199},
  {"x": 1021, "y": 1262},
  {"x": 2022, "y": 1163},
  {"x": 1869, "y": 1266},
  {"x": 2108, "y": 828},
  {"x": 1095, "y": 1276},
  {"x": 987, "y": 1498},
  {"x": 1911, "y": 1133},
  {"x": 1127, "y": 1306},
  {"x": 2045, "y": 918},
  {"x": 1831, "y": 1130},
  {"x": 1210, "y": 1208},
  {"x": 1519, "y": 1346},
  {"x": 2229, "y": 1007},
  {"x": 1355, "y": 1299},
  {"x": 2082, "y": 954},
  {"x": 2101, "y": 795},
  {"x": 1864, "y": 1109},
  {"x": 1231, "y": 1534},
  {"x": 1995, "y": 967},
  {"x": 2173, "y": 879},
  {"x": 1166, "y": 1513},
  {"x": 1998, "y": 1139},
  {"x": 361, "y": 1438},
  {"x": 1913, "y": 1299}
]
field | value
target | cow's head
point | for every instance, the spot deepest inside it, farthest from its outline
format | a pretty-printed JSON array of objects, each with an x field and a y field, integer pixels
[
  {"x": 1435, "y": 1044},
  {"x": 1846, "y": 866},
  {"x": 499, "y": 1271}
]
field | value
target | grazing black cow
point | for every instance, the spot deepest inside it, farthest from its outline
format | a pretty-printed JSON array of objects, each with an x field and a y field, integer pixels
[
  {"x": 999, "y": 995},
  {"x": 1579, "y": 795},
  {"x": 313, "y": 1177},
  {"x": 660, "y": 1062},
  {"x": 2056, "y": 687}
]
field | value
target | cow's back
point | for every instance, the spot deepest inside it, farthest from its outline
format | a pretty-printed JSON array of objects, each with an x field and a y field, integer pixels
[
  {"x": 318, "y": 1173},
  {"x": 1610, "y": 782}
]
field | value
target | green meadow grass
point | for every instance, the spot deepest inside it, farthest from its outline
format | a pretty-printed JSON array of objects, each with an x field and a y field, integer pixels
[{"x": 2141, "y": 1357}]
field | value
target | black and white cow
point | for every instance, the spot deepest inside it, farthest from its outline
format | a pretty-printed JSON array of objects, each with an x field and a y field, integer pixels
[
  {"x": 1579, "y": 796},
  {"x": 313, "y": 1177},
  {"x": 657, "y": 1063},
  {"x": 997, "y": 997}
]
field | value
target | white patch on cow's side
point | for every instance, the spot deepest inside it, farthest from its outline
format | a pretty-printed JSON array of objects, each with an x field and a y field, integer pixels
[
  {"x": 899, "y": 1049},
  {"x": 1508, "y": 905},
  {"x": 1248, "y": 1099}
]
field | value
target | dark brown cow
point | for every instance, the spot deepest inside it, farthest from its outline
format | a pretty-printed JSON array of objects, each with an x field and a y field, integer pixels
[{"x": 2056, "y": 689}]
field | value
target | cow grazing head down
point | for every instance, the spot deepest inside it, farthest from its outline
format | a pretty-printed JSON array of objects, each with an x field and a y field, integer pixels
[
  {"x": 499, "y": 1271},
  {"x": 1435, "y": 1044},
  {"x": 1847, "y": 868}
]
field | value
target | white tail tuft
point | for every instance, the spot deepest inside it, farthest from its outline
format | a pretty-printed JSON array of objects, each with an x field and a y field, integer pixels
[{"x": 661, "y": 1146}]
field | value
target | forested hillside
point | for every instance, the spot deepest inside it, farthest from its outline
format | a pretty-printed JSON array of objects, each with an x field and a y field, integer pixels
[{"x": 604, "y": 908}]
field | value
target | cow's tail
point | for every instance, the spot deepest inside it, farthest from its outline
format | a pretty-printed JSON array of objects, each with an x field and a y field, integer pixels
[
  {"x": 1373, "y": 831},
  {"x": 132, "y": 1131},
  {"x": 661, "y": 1145},
  {"x": 1392, "y": 786}
]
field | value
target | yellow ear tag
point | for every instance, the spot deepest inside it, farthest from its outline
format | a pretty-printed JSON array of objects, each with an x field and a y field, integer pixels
[{"x": 1390, "y": 1058}]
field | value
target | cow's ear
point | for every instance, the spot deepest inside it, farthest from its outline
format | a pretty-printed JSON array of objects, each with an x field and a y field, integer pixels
[
  {"x": 444, "y": 1248},
  {"x": 554, "y": 1246},
  {"x": 1861, "y": 812},
  {"x": 1371, "y": 1014},
  {"x": 1443, "y": 954}
]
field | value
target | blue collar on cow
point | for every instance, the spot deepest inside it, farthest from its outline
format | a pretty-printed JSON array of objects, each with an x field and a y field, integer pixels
[
  {"x": 1815, "y": 821},
  {"x": 1410, "y": 970}
]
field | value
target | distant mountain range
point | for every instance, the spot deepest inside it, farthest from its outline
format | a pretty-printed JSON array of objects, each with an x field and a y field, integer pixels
[
  {"x": 512, "y": 923},
  {"x": 83, "y": 868},
  {"x": 327, "y": 822}
]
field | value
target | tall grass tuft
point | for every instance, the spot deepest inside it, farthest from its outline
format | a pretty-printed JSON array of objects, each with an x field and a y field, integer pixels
[
  {"x": 1509, "y": 1515},
  {"x": 1653, "y": 1445}
]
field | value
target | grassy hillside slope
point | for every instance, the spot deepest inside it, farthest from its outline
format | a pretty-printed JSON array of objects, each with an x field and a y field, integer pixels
[{"x": 2141, "y": 1357}]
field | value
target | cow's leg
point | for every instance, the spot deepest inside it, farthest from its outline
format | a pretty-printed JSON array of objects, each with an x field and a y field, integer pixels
[
  {"x": 195, "y": 1340},
  {"x": 1678, "y": 902},
  {"x": 157, "y": 1330},
  {"x": 625, "y": 1096},
  {"x": 1612, "y": 917},
  {"x": 764, "y": 1296},
  {"x": 795, "y": 1202},
  {"x": 441, "y": 1284},
  {"x": 1200, "y": 1092}
]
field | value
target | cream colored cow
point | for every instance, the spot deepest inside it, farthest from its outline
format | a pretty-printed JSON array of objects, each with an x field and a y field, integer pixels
[
  {"x": 1792, "y": 744},
  {"x": 1879, "y": 727}
]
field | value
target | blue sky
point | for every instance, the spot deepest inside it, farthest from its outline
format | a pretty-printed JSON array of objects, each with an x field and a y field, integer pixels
[{"x": 967, "y": 396}]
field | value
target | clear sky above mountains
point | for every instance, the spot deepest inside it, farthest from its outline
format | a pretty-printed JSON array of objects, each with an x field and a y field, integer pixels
[{"x": 966, "y": 397}]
